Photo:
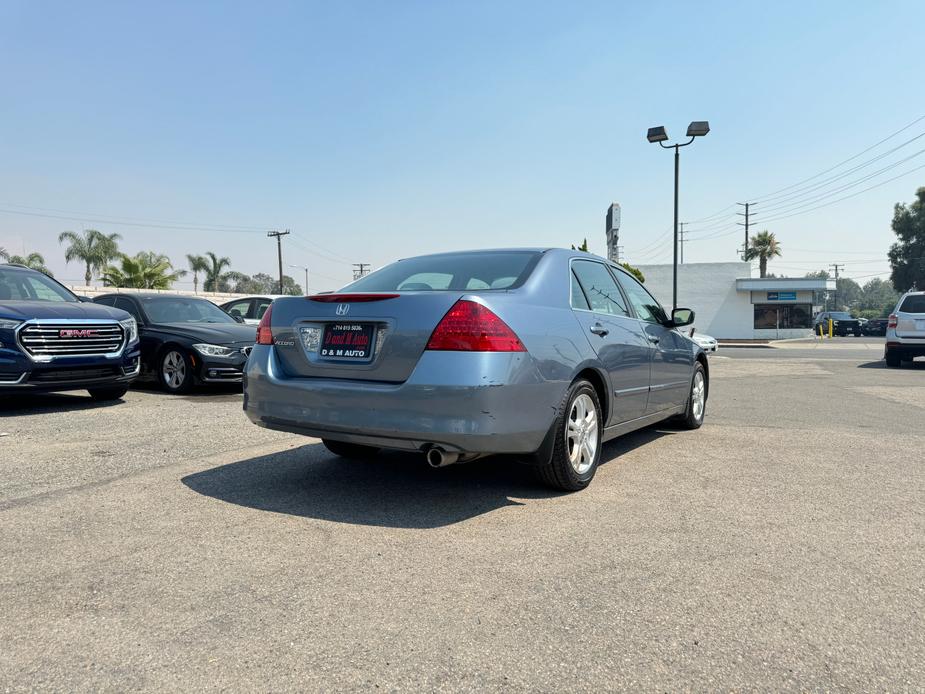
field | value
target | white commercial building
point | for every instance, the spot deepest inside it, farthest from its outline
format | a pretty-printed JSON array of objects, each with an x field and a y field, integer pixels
[{"x": 731, "y": 304}]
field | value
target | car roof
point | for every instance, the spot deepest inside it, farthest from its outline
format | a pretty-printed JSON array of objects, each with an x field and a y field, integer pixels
[{"x": 151, "y": 295}]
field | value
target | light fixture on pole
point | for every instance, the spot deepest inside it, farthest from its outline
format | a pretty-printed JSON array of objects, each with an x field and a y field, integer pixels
[
  {"x": 697, "y": 128},
  {"x": 302, "y": 267}
]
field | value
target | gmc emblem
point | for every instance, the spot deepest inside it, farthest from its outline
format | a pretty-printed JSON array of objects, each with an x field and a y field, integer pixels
[{"x": 78, "y": 333}]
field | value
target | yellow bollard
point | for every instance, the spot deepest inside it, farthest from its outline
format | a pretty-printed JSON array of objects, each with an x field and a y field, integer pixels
[
  {"x": 830, "y": 327},
  {"x": 821, "y": 334}
]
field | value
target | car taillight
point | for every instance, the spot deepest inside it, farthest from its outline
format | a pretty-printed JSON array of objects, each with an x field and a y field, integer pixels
[
  {"x": 892, "y": 321},
  {"x": 264, "y": 334},
  {"x": 470, "y": 327}
]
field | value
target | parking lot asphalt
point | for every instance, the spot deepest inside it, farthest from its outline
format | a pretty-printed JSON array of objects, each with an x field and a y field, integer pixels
[{"x": 165, "y": 543}]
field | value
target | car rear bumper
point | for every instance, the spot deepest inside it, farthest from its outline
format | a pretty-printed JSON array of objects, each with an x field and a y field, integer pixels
[
  {"x": 905, "y": 349},
  {"x": 465, "y": 402}
]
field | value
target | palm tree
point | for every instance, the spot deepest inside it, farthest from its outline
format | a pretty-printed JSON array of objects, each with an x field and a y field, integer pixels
[
  {"x": 763, "y": 246},
  {"x": 144, "y": 270},
  {"x": 94, "y": 248},
  {"x": 214, "y": 275},
  {"x": 4, "y": 254},
  {"x": 35, "y": 261},
  {"x": 197, "y": 264}
]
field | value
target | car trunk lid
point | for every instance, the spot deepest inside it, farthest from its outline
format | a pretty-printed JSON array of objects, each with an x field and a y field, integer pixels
[{"x": 369, "y": 337}]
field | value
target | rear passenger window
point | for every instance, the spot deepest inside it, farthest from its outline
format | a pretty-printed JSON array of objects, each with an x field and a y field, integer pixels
[
  {"x": 599, "y": 287},
  {"x": 578, "y": 296},
  {"x": 913, "y": 304}
]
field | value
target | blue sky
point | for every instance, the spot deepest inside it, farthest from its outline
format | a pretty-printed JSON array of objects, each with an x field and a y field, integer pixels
[{"x": 381, "y": 130}]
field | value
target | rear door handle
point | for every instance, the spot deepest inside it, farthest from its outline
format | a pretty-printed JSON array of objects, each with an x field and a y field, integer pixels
[{"x": 599, "y": 329}]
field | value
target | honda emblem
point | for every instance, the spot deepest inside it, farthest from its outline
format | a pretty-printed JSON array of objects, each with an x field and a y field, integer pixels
[{"x": 342, "y": 309}]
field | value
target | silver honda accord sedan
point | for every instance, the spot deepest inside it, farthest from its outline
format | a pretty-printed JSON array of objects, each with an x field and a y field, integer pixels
[{"x": 541, "y": 353}]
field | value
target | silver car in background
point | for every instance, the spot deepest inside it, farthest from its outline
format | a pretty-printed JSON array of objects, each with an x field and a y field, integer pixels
[{"x": 540, "y": 353}]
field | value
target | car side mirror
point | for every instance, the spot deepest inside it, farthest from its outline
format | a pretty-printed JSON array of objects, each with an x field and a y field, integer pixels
[
  {"x": 681, "y": 317},
  {"x": 85, "y": 299}
]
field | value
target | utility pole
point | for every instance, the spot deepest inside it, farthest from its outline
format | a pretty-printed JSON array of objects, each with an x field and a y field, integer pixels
[
  {"x": 744, "y": 224},
  {"x": 279, "y": 251},
  {"x": 302, "y": 267},
  {"x": 836, "y": 267},
  {"x": 360, "y": 270},
  {"x": 681, "y": 239}
]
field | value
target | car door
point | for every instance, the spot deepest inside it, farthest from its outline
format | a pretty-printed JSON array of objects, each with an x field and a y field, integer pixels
[
  {"x": 672, "y": 353},
  {"x": 148, "y": 345},
  {"x": 617, "y": 337},
  {"x": 241, "y": 309}
]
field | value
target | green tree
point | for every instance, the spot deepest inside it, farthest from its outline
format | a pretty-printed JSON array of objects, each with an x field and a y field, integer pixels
[
  {"x": 582, "y": 247},
  {"x": 94, "y": 248},
  {"x": 907, "y": 255},
  {"x": 144, "y": 270},
  {"x": 878, "y": 298},
  {"x": 216, "y": 279},
  {"x": 197, "y": 264},
  {"x": 262, "y": 283},
  {"x": 763, "y": 246},
  {"x": 33, "y": 260},
  {"x": 634, "y": 271}
]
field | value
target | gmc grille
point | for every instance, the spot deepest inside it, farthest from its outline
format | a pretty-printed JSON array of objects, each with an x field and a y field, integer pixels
[{"x": 71, "y": 339}]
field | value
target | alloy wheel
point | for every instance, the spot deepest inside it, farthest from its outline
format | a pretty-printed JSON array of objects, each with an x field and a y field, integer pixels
[
  {"x": 698, "y": 396},
  {"x": 173, "y": 370},
  {"x": 581, "y": 434}
]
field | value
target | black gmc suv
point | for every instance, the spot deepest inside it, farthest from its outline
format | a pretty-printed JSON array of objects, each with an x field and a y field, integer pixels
[{"x": 51, "y": 340}]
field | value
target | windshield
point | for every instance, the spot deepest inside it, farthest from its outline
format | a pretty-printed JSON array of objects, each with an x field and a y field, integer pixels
[
  {"x": 24, "y": 285},
  {"x": 840, "y": 315},
  {"x": 178, "y": 309},
  {"x": 451, "y": 272}
]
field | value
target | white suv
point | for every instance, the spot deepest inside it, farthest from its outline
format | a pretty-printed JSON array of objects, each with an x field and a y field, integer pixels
[{"x": 905, "y": 331}]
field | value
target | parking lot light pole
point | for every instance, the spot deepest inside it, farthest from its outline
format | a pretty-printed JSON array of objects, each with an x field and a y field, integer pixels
[
  {"x": 697, "y": 128},
  {"x": 302, "y": 267}
]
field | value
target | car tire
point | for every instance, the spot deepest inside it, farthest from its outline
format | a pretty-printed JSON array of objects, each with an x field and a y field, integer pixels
[
  {"x": 175, "y": 371},
  {"x": 579, "y": 438},
  {"x": 893, "y": 361},
  {"x": 696, "y": 407},
  {"x": 106, "y": 394},
  {"x": 349, "y": 450}
]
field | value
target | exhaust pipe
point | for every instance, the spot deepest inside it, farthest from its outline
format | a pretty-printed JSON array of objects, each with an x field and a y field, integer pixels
[{"x": 437, "y": 457}]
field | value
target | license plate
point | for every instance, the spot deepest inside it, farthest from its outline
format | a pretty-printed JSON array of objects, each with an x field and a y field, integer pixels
[{"x": 347, "y": 341}]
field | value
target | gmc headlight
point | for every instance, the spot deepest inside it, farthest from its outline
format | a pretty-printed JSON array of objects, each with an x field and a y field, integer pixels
[
  {"x": 213, "y": 350},
  {"x": 6, "y": 324},
  {"x": 130, "y": 326}
]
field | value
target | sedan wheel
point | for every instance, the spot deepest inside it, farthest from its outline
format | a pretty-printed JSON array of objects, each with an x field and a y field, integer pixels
[
  {"x": 578, "y": 432},
  {"x": 696, "y": 400},
  {"x": 176, "y": 372},
  {"x": 581, "y": 434}
]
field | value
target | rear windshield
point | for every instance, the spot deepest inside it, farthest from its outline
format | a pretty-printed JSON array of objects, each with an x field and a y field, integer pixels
[
  {"x": 913, "y": 304},
  {"x": 456, "y": 272}
]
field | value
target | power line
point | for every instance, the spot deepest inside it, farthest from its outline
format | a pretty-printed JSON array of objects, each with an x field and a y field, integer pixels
[
  {"x": 781, "y": 199},
  {"x": 133, "y": 224},
  {"x": 841, "y": 163},
  {"x": 141, "y": 220},
  {"x": 855, "y": 194},
  {"x": 809, "y": 201}
]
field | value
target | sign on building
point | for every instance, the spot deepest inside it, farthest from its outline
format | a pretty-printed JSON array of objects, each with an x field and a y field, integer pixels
[{"x": 613, "y": 233}]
